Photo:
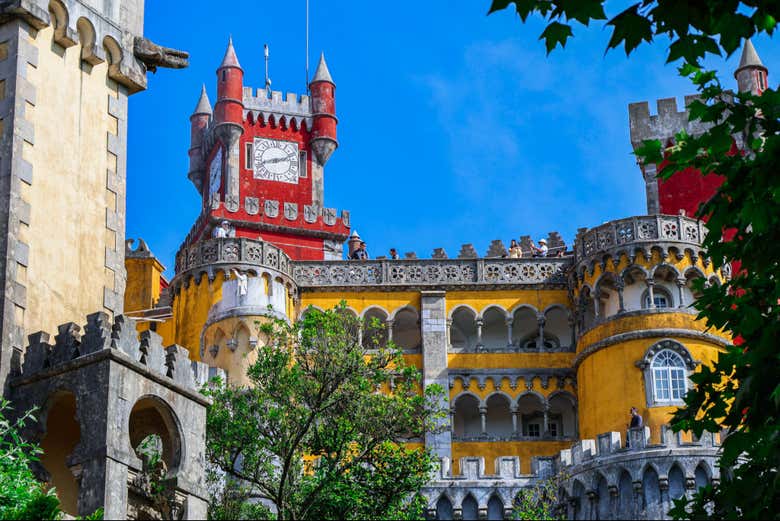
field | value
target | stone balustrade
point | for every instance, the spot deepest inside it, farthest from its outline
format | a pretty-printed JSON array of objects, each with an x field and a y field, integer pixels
[
  {"x": 232, "y": 251},
  {"x": 436, "y": 273},
  {"x": 641, "y": 232}
]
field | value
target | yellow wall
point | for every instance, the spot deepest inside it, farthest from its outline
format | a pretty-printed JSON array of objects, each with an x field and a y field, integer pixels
[
  {"x": 490, "y": 450},
  {"x": 508, "y": 299},
  {"x": 190, "y": 311},
  {"x": 359, "y": 301},
  {"x": 610, "y": 383},
  {"x": 67, "y": 234},
  {"x": 143, "y": 283}
]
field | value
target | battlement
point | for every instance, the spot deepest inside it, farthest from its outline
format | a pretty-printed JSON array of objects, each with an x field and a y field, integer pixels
[
  {"x": 260, "y": 105},
  {"x": 668, "y": 120},
  {"x": 610, "y": 444},
  {"x": 103, "y": 338}
]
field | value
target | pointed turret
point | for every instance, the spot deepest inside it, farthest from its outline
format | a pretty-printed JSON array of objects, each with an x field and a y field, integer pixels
[
  {"x": 229, "y": 124},
  {"x": 323, "y": 99},
  {"x": 322, "y": 73},
  {"x": 204, "y": 105},
  {"x": 229, "y": 107},
  {"x": 199, "y": 122},
  {"x": 230, "y": 59},
  {"x": 751, "y": 74}
]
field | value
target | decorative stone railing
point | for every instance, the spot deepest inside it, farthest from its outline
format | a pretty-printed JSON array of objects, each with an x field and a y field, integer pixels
[
  {"x": 640, "y": 230},
  {"x": 232, "y": 251},
  {"x": 434, "y": 273}
]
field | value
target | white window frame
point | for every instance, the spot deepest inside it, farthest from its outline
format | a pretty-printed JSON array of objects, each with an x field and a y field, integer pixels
[
  {"x": 656, "y": 393},
  {"x": 658, "y": 292}
]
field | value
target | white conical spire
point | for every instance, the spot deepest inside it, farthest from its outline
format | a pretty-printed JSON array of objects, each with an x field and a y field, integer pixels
[
  {"x": 230, "y": 59},
  {"x": 749, "y": 57},
  {"x": 322, "y": 73},
  {"x": 204, "y": 105}
]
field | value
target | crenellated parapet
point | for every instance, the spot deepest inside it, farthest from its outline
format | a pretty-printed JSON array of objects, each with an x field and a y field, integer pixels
[
  {"x": 105, "y": 339},
  {"x": 605, "y": 479},
  {"x": 109, "y": 390},
  {"x": 289, "y": 109},
  {"x": 477, "y": 493}
]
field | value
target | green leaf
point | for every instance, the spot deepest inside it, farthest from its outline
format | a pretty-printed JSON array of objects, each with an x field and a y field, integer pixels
[
  {"x": 556, "y": 34},
  {"x": 631, "y": 29}
]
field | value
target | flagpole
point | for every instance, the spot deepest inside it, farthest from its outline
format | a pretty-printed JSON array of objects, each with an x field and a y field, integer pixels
[{"x": 307, "y": 45}]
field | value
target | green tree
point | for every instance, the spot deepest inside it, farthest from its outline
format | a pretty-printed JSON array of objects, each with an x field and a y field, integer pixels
[
  {"x": 541, "y": 501},
  {"x": 742, "y": 390},
  {"x": 315, "y": 434},
  {"x": 21, "y": 495}
]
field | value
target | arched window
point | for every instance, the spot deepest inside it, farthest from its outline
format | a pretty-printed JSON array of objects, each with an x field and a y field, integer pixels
[
  {"x": 669, "y": 378},
  {"x": 661, "y": 298}
]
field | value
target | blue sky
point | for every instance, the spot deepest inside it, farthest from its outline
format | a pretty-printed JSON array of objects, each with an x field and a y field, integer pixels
[{"x": 454, "y": 126}]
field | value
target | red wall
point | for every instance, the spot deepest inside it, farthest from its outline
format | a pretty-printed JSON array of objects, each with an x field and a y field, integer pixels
[{"x": 686, "y": 190}]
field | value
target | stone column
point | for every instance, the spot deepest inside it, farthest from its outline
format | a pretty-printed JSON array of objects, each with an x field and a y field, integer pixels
[
  {"x": 515, "y": 413},
  {"x": 596, "y": 308},
  {"x": 546, "y": 423},
  {"x": 480, "y": 323},
  {"x": 650, "y": 285},
  {"x": 681, "y": 283},
  {"x": 620, "y": 285},
  {"x": 540, "y": 341},
  {"x": 229, "y": 134},
  {"x": 434, "y": 354},
  {"x": 509, "y": 322},
  {"x": 483, "y": 418},
  {"x": 666, "y": 502},
  {"x": 638, "y": 505},
  {"x": 389, "y": 329}
]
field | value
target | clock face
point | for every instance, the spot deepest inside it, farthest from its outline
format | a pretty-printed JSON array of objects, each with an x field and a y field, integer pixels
[
  {"x": 276, "y": 160},
  {"x": 215, "y": 173}
]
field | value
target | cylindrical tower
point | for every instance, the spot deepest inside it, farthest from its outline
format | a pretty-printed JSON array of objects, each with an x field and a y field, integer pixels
[
  {"x": 223, "y": 290},
  {"x": 228, "y": 118},
  {"x": 638, "y": 336},
  {"x": 199, "y": 122},
  {"x": 229, "y": 107},
  {"x": 751, "y": 75},
  {"x": 323, "y": 99}
]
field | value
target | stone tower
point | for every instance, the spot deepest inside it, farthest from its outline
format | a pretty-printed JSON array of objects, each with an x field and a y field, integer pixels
[
  {"x": 686, "y": 189},
  {"x": 67, "y": 68},
  {"x": 258, "y": 162},
  {"x": 751, "y": 74}
]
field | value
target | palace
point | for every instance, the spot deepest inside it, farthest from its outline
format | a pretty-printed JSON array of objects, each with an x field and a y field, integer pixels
[{"x": 542, "y": 357}]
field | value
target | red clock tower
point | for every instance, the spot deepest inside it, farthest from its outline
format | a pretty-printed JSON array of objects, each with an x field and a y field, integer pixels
[{"x": 258, "y": 162}]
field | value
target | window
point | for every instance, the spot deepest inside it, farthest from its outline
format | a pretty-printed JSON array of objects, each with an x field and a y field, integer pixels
[
  {"x": 761, "y": 84},
  {"x": 248, "y": 159},
  {"x": 303, "y": 169},
  {"x": 534, "y": 430},
  {"x": 661, "y": 298},
  {"x": 553, "y": 429},
  {"x": 669, "y": 378}
]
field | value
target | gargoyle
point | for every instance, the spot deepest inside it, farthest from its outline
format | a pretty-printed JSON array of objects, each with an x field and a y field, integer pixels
[{"x": 153, "y": 55}]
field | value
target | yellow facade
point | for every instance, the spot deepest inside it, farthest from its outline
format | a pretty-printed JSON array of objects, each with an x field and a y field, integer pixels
[{"x": 66, "y": 273}]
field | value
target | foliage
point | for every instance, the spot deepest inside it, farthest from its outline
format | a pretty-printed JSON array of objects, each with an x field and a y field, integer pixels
[
  {"x": 741, "y": 391},
  {"x": 21, "y": 495},
  {"x": 540, "y": 501},
  {"x": 315, "y": 433},
  {"x": 153, "y": 480}
]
